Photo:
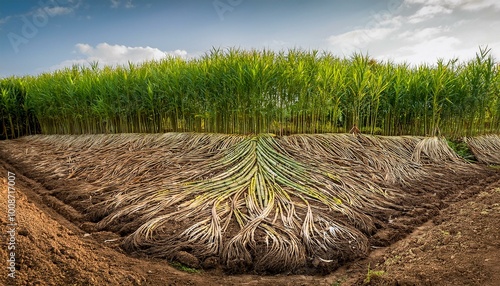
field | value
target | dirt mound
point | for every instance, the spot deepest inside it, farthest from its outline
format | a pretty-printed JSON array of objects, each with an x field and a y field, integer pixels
[
  {"x": 460, "y": 246},
  {"x": 51, "y": 250}
]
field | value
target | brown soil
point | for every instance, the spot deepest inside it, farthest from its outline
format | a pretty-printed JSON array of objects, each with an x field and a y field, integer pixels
[{"x": 450, "y": 239}]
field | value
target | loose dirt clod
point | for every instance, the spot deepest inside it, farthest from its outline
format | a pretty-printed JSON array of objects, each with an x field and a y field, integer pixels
[{"x": 187, "y": 259}]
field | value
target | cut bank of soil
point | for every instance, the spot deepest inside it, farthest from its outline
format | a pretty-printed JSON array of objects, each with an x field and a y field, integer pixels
[{"x": 457, "y": 243}]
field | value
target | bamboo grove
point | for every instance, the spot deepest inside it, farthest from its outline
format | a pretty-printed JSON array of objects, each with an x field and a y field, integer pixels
[{"x": 258, "y": 91}]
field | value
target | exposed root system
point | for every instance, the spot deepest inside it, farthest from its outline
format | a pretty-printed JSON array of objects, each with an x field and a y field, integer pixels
[{"x": 251, "y": 203}]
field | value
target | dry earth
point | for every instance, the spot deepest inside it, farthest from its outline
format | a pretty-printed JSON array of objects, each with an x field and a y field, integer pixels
[{"x": 456, "y": 241}]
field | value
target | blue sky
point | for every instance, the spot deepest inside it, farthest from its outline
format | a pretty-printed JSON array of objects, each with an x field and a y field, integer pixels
[{"x": 45, "y": 35}]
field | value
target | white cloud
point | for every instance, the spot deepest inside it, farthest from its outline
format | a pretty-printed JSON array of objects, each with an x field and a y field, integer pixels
[
  {"x": 120, "y": 54},
  {"x": 428, "y": 51},
  {"x": 458, "y": 4},
  {"x": 129, "y": 4},
  {"x": 382, "y": 27},
  {"x": 427, "y": 13},
  {"x": 178, "y": 53},
  {"x": 425, "y": 30},
  {"x": 117, "y": 3},
  {"x": 447, "y": 3},
  {"x": 358, "y": 39},
  {"x": 424, "y": 34},
  {"x": 112, "y": 55},
  {"x": 42, "y": 13},
  {"x": 480, "y": 5}
]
